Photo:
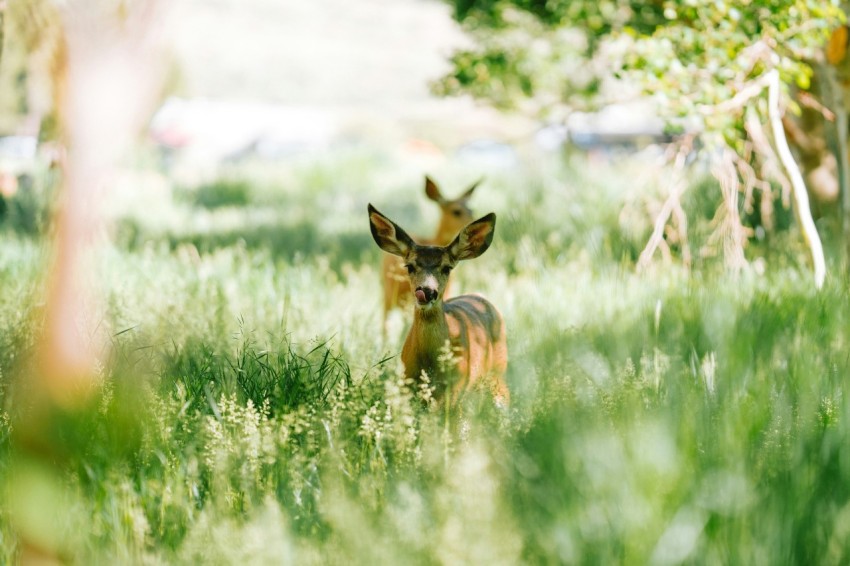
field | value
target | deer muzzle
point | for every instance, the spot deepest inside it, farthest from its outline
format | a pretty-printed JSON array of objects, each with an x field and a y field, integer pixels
[{"x": 425, "y": 295}]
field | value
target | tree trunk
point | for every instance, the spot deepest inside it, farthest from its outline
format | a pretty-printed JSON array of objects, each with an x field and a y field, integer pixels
[{"x": 837, "y": 98}]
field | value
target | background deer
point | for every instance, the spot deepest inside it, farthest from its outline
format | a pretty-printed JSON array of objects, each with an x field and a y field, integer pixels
[
  {"x": 469, "y": 324},
  {"x": 455, "y": 215}
]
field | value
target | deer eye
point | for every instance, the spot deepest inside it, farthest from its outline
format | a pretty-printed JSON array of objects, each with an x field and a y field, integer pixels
[
  {"x": 446, "y": 269},
  {"x": 410, "y": 268}
]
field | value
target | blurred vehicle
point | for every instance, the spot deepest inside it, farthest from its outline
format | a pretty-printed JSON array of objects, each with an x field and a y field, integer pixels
[{"x": 621, "y": 126}]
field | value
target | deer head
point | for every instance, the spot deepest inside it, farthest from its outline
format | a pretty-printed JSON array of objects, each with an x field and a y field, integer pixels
[{"x": 428, "y": 267}]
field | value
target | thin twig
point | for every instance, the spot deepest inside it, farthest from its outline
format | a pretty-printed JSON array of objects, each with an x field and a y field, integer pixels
[
  {"x": 751, "y": 90},
  {"x": 730, "y": 232},
  {"x": 671, "y": 206},
  {"x": 809, "y": 101}
]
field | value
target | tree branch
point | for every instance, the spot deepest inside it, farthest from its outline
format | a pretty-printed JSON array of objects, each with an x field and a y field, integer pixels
[
  {"x": 671, "y": 207},
  {"x": 801, "y": 196}
]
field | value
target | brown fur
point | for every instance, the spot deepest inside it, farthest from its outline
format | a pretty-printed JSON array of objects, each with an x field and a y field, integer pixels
[
  {"x": 470, "y": 325},
  {"x": 475, "y": 331}
]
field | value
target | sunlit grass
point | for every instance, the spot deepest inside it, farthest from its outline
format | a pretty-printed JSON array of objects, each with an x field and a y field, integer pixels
[{"x": 251, "y": 412}]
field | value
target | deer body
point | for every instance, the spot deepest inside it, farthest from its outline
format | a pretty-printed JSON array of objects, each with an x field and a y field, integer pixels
[
  {"x": 475, "y": 332},
  {"x": 455, "y": 215},
  {"x": 469, "y": 325}
]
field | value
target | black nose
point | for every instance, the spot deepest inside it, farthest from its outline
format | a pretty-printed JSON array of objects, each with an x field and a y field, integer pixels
[{"x": 430, "y": 294}]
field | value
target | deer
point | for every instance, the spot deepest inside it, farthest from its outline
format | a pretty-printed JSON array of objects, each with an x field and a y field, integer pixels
[
  {"x": 470, "y": 325},
  {"x": 455, "y": 215}
]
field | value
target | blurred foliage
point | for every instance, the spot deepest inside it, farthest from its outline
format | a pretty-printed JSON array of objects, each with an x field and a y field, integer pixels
[
  {"x": 222, "y": 192},
  {"x": 30, "y": 209},
  {"x": 30, "y": 42},
  {"x": 687, "y": 54},
  {"x": 33, "y": 58},
  {"x": 703, "y": 64}
]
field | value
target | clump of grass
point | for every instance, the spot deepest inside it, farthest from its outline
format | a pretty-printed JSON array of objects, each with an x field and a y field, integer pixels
[
  {"x": 279, "y": 378},
  {"x": 220, "y": 193}
]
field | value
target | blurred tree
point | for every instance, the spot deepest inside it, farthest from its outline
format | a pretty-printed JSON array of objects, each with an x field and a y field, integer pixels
[
  {"x": 707, "y": 64},
  {"x": 31, "y": 45},
  {"x": 103, "y": 60}
]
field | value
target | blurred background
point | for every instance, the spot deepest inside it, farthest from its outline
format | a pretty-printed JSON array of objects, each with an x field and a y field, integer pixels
[
  {"x": 192, "y": 364},
  {"x": 280, "y": 80}
]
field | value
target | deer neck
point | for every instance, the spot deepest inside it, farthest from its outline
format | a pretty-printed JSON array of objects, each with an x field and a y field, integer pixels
[
  {"x": 426, "y": 339},
  {"x": 445, "y": 233},
  {"x": 431, "y": 324}
]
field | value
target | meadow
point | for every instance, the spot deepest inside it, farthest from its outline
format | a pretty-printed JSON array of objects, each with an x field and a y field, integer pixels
[{"x": 251, "y": 413}]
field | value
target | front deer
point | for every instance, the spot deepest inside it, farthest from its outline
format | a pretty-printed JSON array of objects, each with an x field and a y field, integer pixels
[
  {"x": 472, "y": 327},
  {"x": 455, "y": 215}
]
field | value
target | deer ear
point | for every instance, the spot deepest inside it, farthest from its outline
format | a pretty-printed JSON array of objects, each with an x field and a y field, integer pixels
[
  {"x": 471, "y": 189},
  {"x": 474, "y": 239},
  {"x": 432, "y": 191},
  {"x": 388, "y": 235}
]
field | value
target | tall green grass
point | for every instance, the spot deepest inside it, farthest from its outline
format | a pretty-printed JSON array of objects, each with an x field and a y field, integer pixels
[{"x": 251, "y": 412}]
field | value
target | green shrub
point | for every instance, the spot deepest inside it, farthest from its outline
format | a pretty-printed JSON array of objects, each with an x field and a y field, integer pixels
[
  {"x": 221, "y": 193},
  {"x": 29, "y": 210}
]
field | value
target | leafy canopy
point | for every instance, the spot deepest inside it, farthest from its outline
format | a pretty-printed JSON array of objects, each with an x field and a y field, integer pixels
[
  {"x": 705, "y": 63},
  {"x": 691, "y": 56}
]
